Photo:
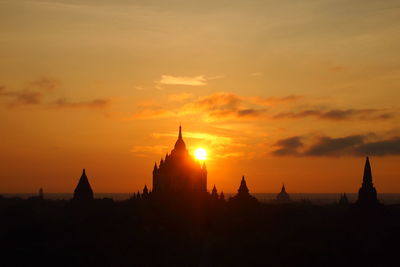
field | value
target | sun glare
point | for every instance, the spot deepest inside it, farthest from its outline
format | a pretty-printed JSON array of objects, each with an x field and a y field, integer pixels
[{"x": 200, "y": 154}]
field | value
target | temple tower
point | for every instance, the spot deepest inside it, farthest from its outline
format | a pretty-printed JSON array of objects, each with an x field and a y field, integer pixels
[
  {"x": 179, "y": 172},
  {"x": 283, "y": 196},
  {"x": 83, "y": 191},
  {"x": 367, "y": 195}
]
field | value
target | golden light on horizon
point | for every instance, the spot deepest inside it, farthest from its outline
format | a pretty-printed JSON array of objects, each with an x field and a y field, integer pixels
[{"x": 200, "y": 154}]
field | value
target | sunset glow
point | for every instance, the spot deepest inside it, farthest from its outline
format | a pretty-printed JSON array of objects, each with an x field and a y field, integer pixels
[
  {"x": 200, "y": 154},
  {"x": 285, "y": 92}
]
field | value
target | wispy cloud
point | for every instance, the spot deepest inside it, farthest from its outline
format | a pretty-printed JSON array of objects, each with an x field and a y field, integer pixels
[
  {"x": 288, "y": 146},
  {"x": 353, "y": 145},
  {"x": 35, "y": 93},
  {"x": 337, "y": 114},
  {"x": 229, "y": 106},
  {"x": 98, "y": 103},
  {"x": 199, "y": 80}
]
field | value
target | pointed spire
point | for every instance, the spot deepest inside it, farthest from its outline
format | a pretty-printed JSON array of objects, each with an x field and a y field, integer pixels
[
  {"x": 243, "y": 187},
  {"x": 283, "y": 196},
  {"x": 180, "y": 144},
  {"x": 155, "y": 167},
  {"x": 367, "y": 177},
  {"x": 367, "y": 195},
  {"x": 283, "y": 190},
  {"x": 83, "y": 190},
  {"x": 145, "y": 191},
  {"x": 214, "y": 190}
]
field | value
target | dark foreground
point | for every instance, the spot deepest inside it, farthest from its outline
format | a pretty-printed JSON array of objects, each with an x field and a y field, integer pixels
[{"x": 144, "y": 233}]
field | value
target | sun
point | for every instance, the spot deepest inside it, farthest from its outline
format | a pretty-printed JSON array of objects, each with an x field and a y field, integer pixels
[{"x": 200, "y": 154}]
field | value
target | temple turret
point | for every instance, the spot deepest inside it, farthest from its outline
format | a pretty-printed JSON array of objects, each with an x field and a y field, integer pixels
[
  {"x": 180, "y": 144},
  {"x": 367, "y": 195},
  {"x": 243, "y": 190},
  {"x": 155, "y": 169},
  {"x": 179, "y": 173},
  {"x": 243, "y": 198},
  {"x": 214, "y": 193},
  {"x": 145, "y": 193},
  {"x": 83, "y": 191},
  {"x": 283, "y": 196}
]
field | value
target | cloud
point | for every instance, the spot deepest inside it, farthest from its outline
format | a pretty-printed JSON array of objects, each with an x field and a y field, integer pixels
[
  {"x": 35, "y": 92},
  {"x": 218, "y": 106},
  {"x": 98, "y": 103},
  {"x": 199, "y": 80},
  {"x": 45, "y": 83},
  {"x": 327, "y": 146},
  {"x": 337, "y": 114},
  {"x": 353, "y": 145},
  {"x": 275, "y": 100},
  {"x": 288, "y": 146},
  {"x": 22, "y": 97},
  {"x": 229, "y": 106},
  {"x": 380, "y": 148},
  {"x": 223, "y": 105}
]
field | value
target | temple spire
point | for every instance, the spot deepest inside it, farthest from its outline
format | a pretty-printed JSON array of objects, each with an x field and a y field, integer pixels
[
  {"x": 180, "y": 144},
  {"x": 83, "y": 191},
  {"x": 283, "y": 196},
  {"x": 243, "y": 187},
  {"x": 367, "y": 177},
  {"x": 367, "y": 195}
]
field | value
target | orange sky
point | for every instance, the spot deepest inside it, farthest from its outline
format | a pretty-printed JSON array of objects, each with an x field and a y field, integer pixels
[{"x": 294, "y": 92}]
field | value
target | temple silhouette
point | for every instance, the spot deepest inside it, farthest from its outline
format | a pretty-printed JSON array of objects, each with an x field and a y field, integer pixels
[
  {"x": 243, "y": 196},
  {"x": 283, "y": 196},
  {"x": 179, "y": 172},
  {"x": 179, "y": 223},
  {"x": 83, "y": 191},
  {"x": 367, "y": 195}
]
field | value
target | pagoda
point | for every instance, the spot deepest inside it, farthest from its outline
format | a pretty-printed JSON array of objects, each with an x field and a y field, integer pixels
[
  {"x": 283, "y": 196},
  {"x": 367, "y": 195},
  {"x": 83, "y": 191},
  {"x": 243, "y": 196},
  {"x": 179, "y": 172}
]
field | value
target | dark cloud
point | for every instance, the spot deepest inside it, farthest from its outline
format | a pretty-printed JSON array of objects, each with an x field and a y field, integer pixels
[
  {"x": 327, "y": 146},
  {"x": 99, "y": 103},
  {"x": 223, "y": 106},
  {"x": 288, "y": 146},
  {"x": 380, "y": 148},
  {"x": 275, "y": 100},
  {"x": 34, "y": 93},
  {"x": 354, "y": 145},
  {"x": 23, "y": 97},
  {"x": 337, "y": 114}
]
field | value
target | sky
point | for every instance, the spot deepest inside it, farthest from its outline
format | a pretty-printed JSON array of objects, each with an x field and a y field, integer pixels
[{"x": 295, "y": 92}]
